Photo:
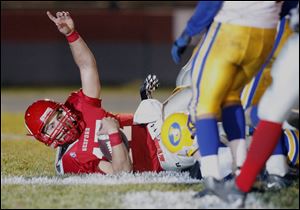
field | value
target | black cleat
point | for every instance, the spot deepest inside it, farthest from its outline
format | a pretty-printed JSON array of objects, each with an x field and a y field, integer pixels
[{"x": 275, "y": 182}]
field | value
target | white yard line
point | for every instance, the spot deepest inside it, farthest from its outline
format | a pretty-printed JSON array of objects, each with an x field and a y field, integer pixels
[
  {"x": 142, "y": 199},
  {"x": 98, "y": 179},
  {"x": 182, "y": 200}
]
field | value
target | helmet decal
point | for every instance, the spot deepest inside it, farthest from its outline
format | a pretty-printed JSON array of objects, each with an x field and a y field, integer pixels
[
  {"x": 46, "y": 114},
  {"x": 175, "y": 134}
]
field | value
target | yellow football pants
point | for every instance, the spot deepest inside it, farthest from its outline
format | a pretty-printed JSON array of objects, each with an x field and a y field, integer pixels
[{"x": 226, "y": 61}]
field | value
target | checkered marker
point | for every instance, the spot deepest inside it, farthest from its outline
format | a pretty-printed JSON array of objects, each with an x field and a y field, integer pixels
[{"x": 150, "y": 84}]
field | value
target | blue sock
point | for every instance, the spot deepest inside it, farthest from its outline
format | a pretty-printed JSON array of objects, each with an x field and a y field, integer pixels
[
  {"x": 207, "y": 136},
  {"x": 251, "y": 130},
  {"x": 279, "y": 149},
  {"x": 254, "y": 116},
  {"x": 233, "y": 118}
]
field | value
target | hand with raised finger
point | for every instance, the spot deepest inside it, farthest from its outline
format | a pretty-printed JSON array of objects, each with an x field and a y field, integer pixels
[{"x": 63, "y": 21}]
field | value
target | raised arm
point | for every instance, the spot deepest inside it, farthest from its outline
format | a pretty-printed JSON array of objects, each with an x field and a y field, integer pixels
[{"x": 82, "y": 55}]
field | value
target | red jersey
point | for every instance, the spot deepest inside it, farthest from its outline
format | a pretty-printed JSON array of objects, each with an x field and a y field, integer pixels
[{"x": 84, "y": 155}]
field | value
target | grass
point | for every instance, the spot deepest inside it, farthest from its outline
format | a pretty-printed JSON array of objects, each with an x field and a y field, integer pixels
[
  {"x": 285, "y": 198},
  {"x": 26, "y": 157},
  {"x": 82, "y": 196},
  {"x": 12, "y": 123},
  {"x": 23, "y": 156}
]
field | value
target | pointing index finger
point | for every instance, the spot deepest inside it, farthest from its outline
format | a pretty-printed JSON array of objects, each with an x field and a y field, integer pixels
[{"x": 51, "y": 17}]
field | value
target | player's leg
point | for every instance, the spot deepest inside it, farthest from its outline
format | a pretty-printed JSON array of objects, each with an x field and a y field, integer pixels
[
  {"x": 232, "y": 111},
  {"x": 282, "y": 163},
  {"x": 212, "y": 74},
  {"x": 277, "y": 163},
  {"x": 253, "y": 91},
  {"x": 235, "y": 128},
  {"x": 273, "y": 110},
  {"x": 233, "y": 115}
]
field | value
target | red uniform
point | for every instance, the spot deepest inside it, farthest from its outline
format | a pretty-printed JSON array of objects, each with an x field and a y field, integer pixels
[
  {"x": 145, "y": 153},
  {"x": 84, "y": 155}
]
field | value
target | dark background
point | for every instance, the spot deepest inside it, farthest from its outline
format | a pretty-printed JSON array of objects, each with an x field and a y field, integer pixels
[{"x": 129, "y": 39}]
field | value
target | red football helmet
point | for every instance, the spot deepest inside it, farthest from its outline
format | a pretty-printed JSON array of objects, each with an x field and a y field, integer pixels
[{"x": 67, "y": 130}]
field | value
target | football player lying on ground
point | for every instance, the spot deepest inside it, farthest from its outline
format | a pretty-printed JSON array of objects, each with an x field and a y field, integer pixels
[
  {"x": 76, "y": 120},
  {"x": 87, "y": 137}
]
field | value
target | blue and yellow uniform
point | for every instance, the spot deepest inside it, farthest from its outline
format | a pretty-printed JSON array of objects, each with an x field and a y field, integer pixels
[
  {"x": 239, "y": 40},
  {"x": 257, "y": 86}
]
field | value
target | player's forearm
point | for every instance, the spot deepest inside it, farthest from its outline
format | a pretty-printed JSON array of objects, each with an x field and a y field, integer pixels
[
  {"x": 82, "y": 55},
  {"x": 86, "y": 63},
  {"x": 120, "y": 159}
]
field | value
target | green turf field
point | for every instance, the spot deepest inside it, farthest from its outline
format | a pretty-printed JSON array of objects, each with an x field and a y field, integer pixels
[{"x": 23, "y": 158}]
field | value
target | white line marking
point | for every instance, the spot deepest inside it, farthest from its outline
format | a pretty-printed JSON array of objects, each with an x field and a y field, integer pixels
[
  {"x": 183, "y": 200},
  {"x": 98, "y": 179}
]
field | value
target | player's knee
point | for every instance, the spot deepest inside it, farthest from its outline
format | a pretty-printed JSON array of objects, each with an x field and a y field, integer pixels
[
  {"x": 204, "y": 110},
  {"x": 232, "y": 98}
]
